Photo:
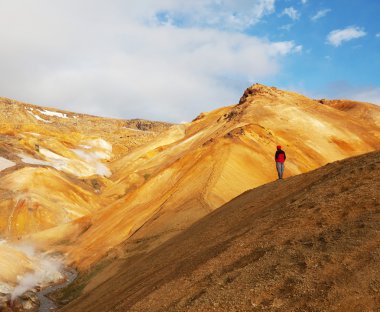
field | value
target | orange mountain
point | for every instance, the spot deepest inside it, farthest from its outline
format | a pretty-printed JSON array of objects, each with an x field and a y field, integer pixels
[
  {"x": 190, "y": 170},
  {"x": 308, "y": 243},
  {"x": 96, "y": 189}
]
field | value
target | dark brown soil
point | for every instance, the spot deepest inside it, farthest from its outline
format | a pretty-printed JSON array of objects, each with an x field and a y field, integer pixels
[{"x": 307, "y": 243}]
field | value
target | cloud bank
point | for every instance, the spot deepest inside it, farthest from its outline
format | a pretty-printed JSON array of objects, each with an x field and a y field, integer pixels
[{"x": 165, "y": 60}]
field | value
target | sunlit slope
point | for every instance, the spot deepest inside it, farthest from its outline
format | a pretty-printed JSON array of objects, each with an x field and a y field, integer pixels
[
  {"x": 123, "y": 135},
  {"x": 49, "y": 178},
  {"x": 55, "y": 164},
  {"x": 370, "y": 113},
  {"x": 192, "y": 169},
  {"x": 13, "y": 262},
  {"x": 307, "y": 243},
  {"x": 35, "y": 199}
]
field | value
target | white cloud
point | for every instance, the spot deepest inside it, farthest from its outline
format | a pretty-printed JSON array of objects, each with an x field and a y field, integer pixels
[
  {"x": 286, "y": 27},
  {"x": 298, "y": 49},
  {"x": 128, "y": 60},
  {"x": 291, "y": 12},
  {"x": 303, "y": 1},
  {"x": 377, "y": 35},
  {"x": 336, "y": 37},
  {"x": 227, "y": 14},
  {"x": 284, "y": 48},
  {"x": 320, "y": 14}
]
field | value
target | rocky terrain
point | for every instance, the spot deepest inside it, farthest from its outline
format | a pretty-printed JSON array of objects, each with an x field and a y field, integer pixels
[
  {"x": 190, "y": 170},
  {"x": 308, "y": 243},
  {"x": 62, "y": 154},
  {"x": 53, "y": 165},
  {"x": 94, "y": 190}
]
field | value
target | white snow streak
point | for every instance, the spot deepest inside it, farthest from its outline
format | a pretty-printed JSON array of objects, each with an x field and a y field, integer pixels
[
  {"x": 89, "y": 162},
  {"x": 39, "y": 118},
  {"x": 50, "y": 113},
  {"x": 5, "y": 163}
]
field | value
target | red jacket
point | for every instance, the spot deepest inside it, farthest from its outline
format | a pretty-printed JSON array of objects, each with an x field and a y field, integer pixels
[{"x": 280, "y": 156}]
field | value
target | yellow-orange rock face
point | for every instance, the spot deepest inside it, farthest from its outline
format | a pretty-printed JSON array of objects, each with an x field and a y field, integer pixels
[
  {"x": 53, "y": 167},
  {"x": 88, "y": 186},
  {"x": 188, "y": 171}
]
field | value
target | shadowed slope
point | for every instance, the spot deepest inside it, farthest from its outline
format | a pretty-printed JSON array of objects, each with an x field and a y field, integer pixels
[{"x": 309, "y": 243}]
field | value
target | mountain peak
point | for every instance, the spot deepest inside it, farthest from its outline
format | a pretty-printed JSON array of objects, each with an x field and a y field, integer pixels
[{"x": 259, "y": 89}]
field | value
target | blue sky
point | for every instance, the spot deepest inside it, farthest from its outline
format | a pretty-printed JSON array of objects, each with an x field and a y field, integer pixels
[
  {"x": 322, "y": 68},
  {"x": 172, "y": 59}
]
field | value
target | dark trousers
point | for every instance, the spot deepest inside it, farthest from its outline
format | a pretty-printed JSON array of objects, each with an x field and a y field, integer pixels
[{"x": 280, "y": 169}]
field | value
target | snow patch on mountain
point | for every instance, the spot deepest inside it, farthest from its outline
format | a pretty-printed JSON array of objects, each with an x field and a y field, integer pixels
[
  {"x": 5, "y": 163},
  {"x": 54, "y": 114},
  {"x": 89, "y": 159},
  {"x": 39, "y": 118}
]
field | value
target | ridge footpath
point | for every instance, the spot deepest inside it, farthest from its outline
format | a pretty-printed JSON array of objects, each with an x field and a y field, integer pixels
[{"x": 308, "y": 243}]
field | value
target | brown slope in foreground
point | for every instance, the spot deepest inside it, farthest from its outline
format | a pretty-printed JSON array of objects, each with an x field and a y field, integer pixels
[{"x": 307, "y": 243}]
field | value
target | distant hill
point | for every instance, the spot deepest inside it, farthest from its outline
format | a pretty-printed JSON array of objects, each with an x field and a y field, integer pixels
[
  {"x": 53, "y": 163},
  {"x": 124, "y": 135},
  {"x": 53, "y": 167},
  {"x": 308, "y": 243},
  {"x": 367, "y": 112}
]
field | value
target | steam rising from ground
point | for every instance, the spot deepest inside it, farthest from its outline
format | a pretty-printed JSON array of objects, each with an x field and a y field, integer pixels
[{"x": 45, "y": 269}]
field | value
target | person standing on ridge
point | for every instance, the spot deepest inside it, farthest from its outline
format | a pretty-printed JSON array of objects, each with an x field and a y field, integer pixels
[{"x": 280, "y": 157}]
